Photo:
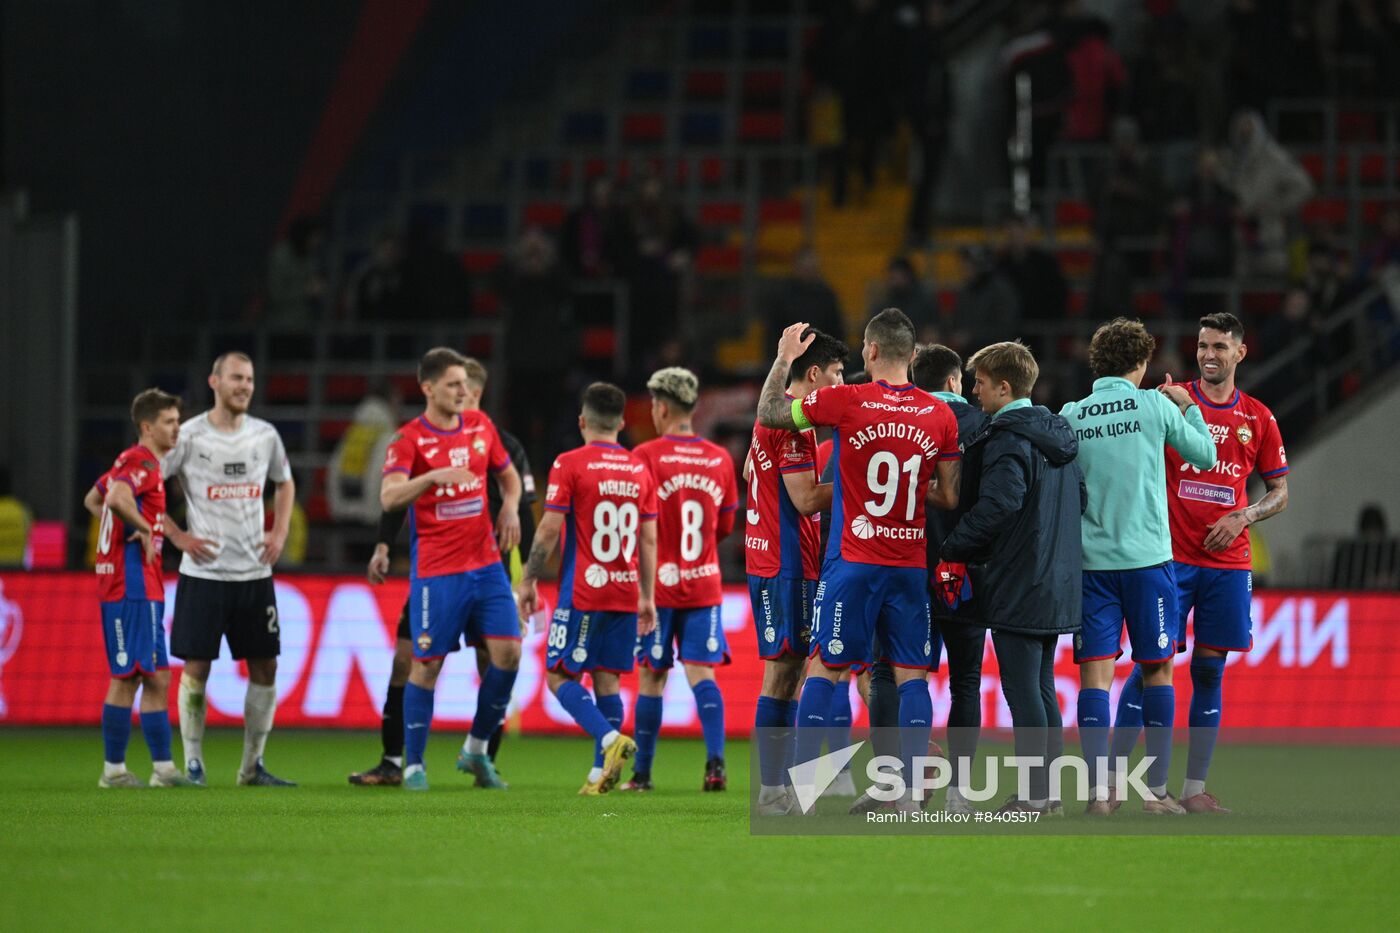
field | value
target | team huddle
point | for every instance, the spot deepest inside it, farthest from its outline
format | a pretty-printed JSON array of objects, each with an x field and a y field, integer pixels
[{"x": 947, "y": 521}]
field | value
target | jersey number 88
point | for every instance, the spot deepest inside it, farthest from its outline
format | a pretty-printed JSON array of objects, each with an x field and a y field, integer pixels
[{"x": 614, "y": 531}]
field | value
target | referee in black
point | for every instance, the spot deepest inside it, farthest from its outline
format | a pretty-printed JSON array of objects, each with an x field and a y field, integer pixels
[{"x": 389, "y": 771}]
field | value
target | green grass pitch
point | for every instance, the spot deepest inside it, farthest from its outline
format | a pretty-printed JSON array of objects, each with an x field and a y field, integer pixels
[{"x": 327, "y": 855}]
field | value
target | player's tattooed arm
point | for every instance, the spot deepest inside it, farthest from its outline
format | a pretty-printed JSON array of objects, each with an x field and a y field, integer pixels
[
  {"x": 1223, "y": 532},
  {"x": 774, "y": 408},
  {"x": 546, "y": 538},
  {"x": 943, "y": 492}
]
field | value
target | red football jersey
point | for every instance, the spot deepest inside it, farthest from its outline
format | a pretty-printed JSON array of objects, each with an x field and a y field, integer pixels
[
  {"x": 779, "y": 541},
  {"x": 1246, "y": 440},
  {"x": 886, "y": 442},
  {"x": 695, "y": 497},
  {"x": 606, "y": 492},
  {"x": 122, "y": 571},
  {"x": 450, "y": 528}
]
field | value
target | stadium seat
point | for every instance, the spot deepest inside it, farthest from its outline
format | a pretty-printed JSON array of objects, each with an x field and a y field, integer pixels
[
  {"x": 643, "y": 128},
  {"x": 487, "y": 303},
  {"x": 598, "y": 343},
  {"x": 585, "y": 128},
  {"x": 484, "y": 220},
  {"x": 330, "y": 431},
  {"x": 1371, "y": 211},
  {"x": 648, "y": 84},
  {"x": 780, "y": 210},
  {"x": 721, "y": 214},
  {"x": 288, "y": 388},
  {"x": 764, "y": 88},
  {"x": 712, "y": 171},
  {"x": 706, "y": 85},
  {"x": 344, "y": 388},
  {"x": 480, "y": 345},
  {"x": 1073, "y": 214},
  {"x": 481, "y": 261},
  {"x": 1315, "y": 165},
  {"x": 719, "y": 259},
  {"x": 705, "y": 42},
  {"x": 1325, "y": 210},
  {"x": 406, "y": 385},
  {"x": 430, "y": 214},
  {"x": 762, "y": 126},
  {"x": 766, "y": 42},
  {"x": 547, "y": 214},
  {"x": 1262, "y": 303},
  {"x": 1148, "y": 304},
  {"x": 702, "y": 128}
]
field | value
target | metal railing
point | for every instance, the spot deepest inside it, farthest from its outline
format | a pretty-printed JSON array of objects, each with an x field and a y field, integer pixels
[{"x": 1351, "y": 563}]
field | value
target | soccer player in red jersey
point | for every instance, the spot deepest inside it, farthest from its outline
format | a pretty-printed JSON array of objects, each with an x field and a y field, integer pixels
[
  {"x": 782, "y": 552},
  {"x": 602, "y": 499},
  {"x": 130, "y": 501},
  {"x": 437, "y": 464},
  {"x": 1210, "y": 515},
  {"x": 696, "y": 496},
  {"x": 890, "y": 439}
]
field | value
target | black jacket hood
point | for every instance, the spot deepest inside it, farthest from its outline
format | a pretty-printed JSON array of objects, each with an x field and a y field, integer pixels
[{"x": 1049, "y": 432}]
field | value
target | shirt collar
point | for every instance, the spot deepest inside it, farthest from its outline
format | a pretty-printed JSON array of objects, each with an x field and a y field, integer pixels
[
  {"x": 1113, "y": 384},
  {"x": 1011, "y": 406},
  {"x": 949, "y": 397}
]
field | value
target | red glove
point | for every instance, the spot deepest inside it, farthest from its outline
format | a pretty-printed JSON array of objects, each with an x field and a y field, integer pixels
[{"x": 952, "y": 584}]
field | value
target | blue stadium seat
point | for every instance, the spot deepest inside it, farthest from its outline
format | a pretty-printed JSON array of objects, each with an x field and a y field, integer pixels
[
  {"x": 702, "y": 128},
  {"x": 484, "y": 220},
  {"x": 709, "y": 42},
  {"x": 585, "y": 127},
  {"x": 648, "y": 84}
]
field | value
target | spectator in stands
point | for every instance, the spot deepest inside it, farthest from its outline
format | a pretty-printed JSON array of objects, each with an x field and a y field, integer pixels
[
  {"x": 357, "y": 463},
  {"x": 1271, "y": 188},
  {"x": 852, "y": 55},
  {"x": 1033, "y": 272},
  {"x": 1279, "y": 334},
  {"x": 1129, "y": 207},
  {"x": 1384, "y": 251},
  {"x": 1037, "y": 51},
  {"x": 988, "y": 309},
  {"x": 541, "y": 336},
  {"x": 1331, "y": 281},
  {"x": 1371, "y": 560},
  {"x": 1203, "y": 226},
  {"x": 598, "y": 241},
  {"x": 296, "y": 289},
  {"x": 803, "y": 296},
  {"x": 903, "y": 290},
  {"x": 436, "y": 286},
  {"x": 15, "y": 522},
  {"x": 666, "y": 241},
  {"x": 1098, "y": 76},
  {"x": 925, "y": 85},
  {"x": 376, "y": 287}
]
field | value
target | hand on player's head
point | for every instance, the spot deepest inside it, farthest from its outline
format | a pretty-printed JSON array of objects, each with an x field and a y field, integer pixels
[{"x": 792, "y": 343}]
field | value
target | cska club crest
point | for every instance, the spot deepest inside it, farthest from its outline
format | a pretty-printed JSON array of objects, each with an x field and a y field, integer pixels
[{"x": 1244, "y": 433}]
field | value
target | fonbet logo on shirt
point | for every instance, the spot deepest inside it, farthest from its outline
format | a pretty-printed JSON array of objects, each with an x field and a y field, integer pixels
[
  {"x": 862, "y": 528},
  {"x": 669, "y": 574},
  {"x": 596, "y": 576}
]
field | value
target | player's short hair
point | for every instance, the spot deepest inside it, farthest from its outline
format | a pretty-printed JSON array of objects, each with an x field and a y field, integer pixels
[
  {"x": 603, "y": 404},
  {"x": 230, "y": 355},
  {"x": 437, "y": 361},
  {"x": 148, "y": 405},
  {"x": 821, "y": 353},
  {"x": 476, "y": 372},
  {"x": 933, "y": 364},
  {"x": 1225, "y": 322},
  {"x": 1119, "y": 347},
  {"x": 893, "y": 331},
  {"x": 675, "y": 385},
  {"x": 1010, "y": 361}
]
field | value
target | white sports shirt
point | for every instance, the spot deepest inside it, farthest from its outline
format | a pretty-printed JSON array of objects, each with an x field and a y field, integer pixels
[{"x": 223, "y": 475}]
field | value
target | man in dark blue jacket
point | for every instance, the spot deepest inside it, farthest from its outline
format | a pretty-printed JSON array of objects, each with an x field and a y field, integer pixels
[
  {"x": 939, "y": 370},
  {"x": 1022, "y": 541}
]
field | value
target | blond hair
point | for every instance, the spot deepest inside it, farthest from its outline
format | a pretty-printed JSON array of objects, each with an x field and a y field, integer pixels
[{"x": 1010, "y": 361}]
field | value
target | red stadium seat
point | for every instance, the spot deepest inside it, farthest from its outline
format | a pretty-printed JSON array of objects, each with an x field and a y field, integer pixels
[
  {"x": 406, "y": 385},
  {"x": 1315, "y": 165},
  {"x": 762, "y": 126},
  {"x": 721, "y": 214},
  {"x": 719, "y": 259},
  {"x": 712, "y": 170},
  {"x": 481, "y": 261},
  {"x": 598, "y": 343},
  {"x": 1261, "y": 303},
  {"x": 644, "y": 127},
  {"x": 1077, "y": 302},
  {"x": 547, "y": 214},
  {"x": 345, "y": 388},
  {"x": 1148, "y": 304},
  {"x": 947, "y": 301},
  {"x": 780, "y": 210},
  {"x": 487, "y": 303},
  {"x": 331, "y": 431},
  {"x": 1325, "y": 210},
  {"x": 706, "y": 85},
  {"x": 1073, "y": 214},
  {"x": 288, "y": 388},
  {"x": 763, "y": 87}
]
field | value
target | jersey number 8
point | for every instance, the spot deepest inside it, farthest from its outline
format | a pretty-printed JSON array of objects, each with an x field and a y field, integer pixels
[
  {"x": 692, "y": 523},
  {"x": 614, "y": 531}
]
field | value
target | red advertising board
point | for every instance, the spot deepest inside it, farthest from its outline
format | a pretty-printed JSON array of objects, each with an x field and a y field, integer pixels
[{"x": 1320, "y": 660}]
